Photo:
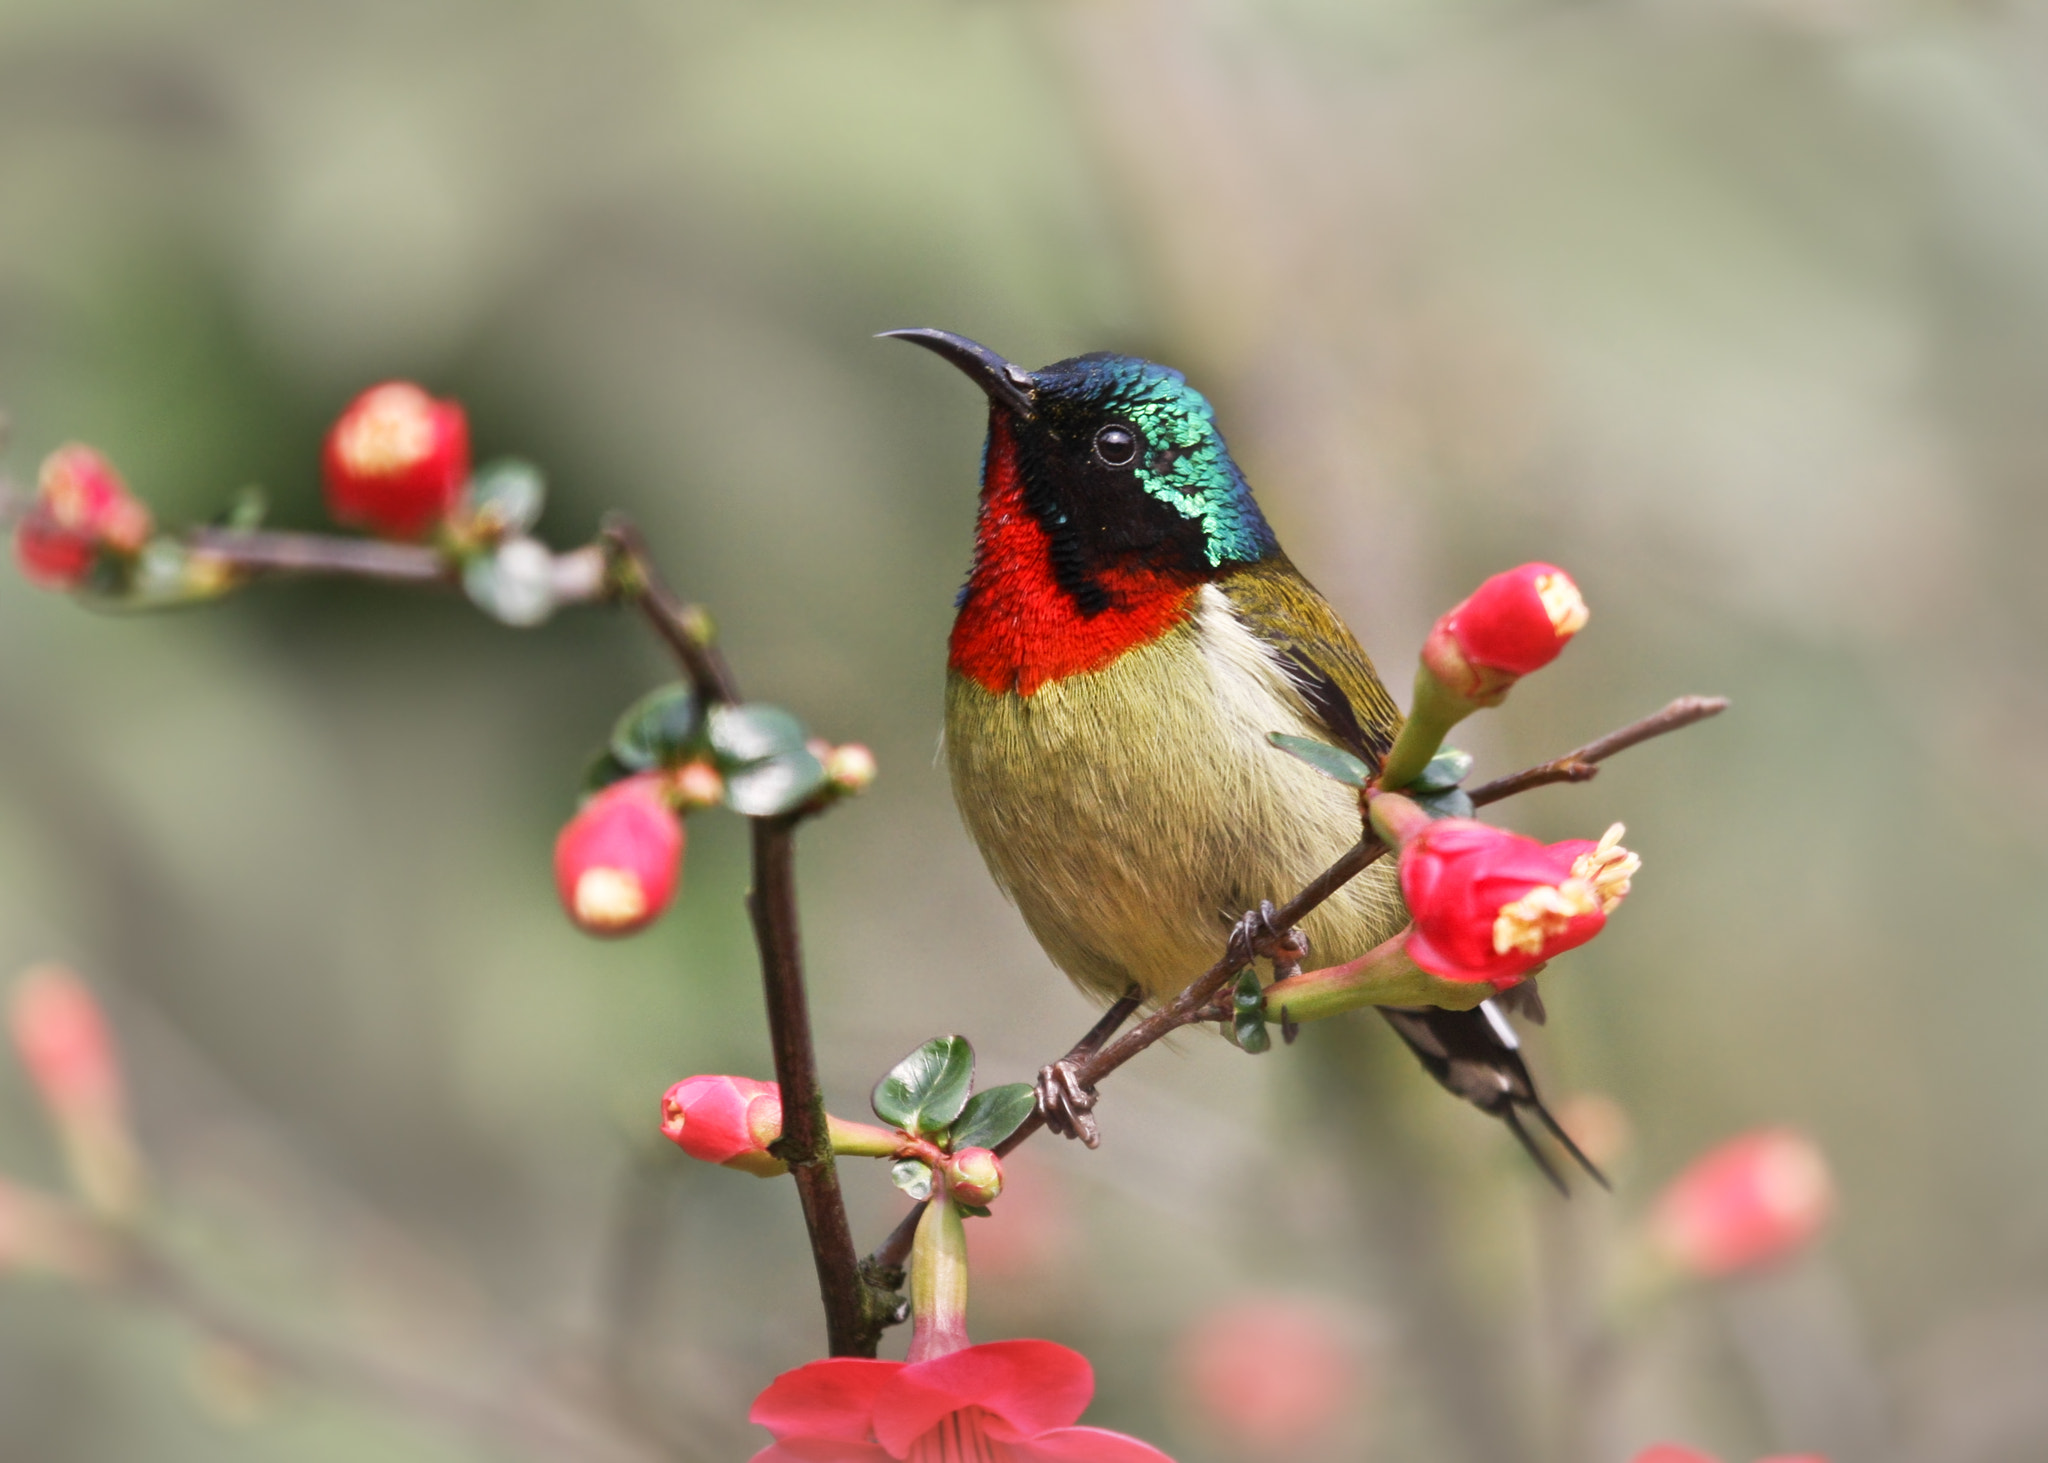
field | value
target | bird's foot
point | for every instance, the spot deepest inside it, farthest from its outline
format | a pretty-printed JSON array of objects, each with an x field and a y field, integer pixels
[
  {"x": 1258, "y": 935},
  {"x": 1067, "y": 1107}
]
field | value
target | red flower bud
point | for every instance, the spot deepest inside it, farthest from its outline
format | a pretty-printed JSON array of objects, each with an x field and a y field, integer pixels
[
  {"x": 974, "y": 1176},
  {"x": 81, "y": 509},
  {"x": 1491, "y": 905},
  {"x": 725, "y": 1120},
  {"x": 1754, "y": 1199},
  {"x": 1514, "y": 623},
  {"x": 617, "y": 860},
  {"x": 396, "y": 461}
]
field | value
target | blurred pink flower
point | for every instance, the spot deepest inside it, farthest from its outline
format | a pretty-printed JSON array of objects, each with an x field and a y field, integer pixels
[
  {"x": 1270, "y": 1375},
  {"x": 63, "y": 1042},
  {"x": 1013, "y": 1401},
  {"x": 1673, "y": 1453},
  {"x": 1752, "y": 1200}
]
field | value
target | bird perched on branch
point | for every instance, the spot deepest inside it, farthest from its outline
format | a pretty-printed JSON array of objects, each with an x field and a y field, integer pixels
[{"x": 1129, "y": 634}]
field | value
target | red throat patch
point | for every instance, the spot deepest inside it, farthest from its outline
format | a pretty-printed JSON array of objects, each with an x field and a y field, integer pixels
[{"x": 1017, "y": 629}]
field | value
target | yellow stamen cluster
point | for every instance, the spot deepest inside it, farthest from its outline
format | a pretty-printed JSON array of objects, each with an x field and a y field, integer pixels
[
  {"x": 1543, "y": 912},
  {"x": 1608, "y": 868},
  {"x": 608, "y": 898},
  {"x": 389, "y": 431},
  {"x": 1563, "y": 603}
]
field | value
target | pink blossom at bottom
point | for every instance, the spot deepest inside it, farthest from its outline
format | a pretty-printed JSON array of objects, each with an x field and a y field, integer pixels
[
  {"x": 1001, "y": 1402},
  {"x": 1673, "y": 1453}
]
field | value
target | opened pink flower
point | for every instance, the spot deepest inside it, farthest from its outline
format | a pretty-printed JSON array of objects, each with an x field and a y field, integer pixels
[{"x": 1002, "y": 1402}]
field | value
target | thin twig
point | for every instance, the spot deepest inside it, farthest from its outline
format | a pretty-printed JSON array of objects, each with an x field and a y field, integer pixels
[
  {"x": 1580, "y": 766},
  {"x": 686, "y": 628},
  {"x": 852, "y": 1326},
  {"x": 322, "y": 553},
  {"x": 805, "y": 1144}
]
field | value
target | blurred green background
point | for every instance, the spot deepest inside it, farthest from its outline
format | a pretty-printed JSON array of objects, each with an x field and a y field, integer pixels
[{"x": 1738, "y": 308}]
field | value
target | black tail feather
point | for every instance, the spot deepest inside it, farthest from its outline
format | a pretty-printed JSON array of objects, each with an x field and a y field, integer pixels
[{"x": 1476, "y": 1055}]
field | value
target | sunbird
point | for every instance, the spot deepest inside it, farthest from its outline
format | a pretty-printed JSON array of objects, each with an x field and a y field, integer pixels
[{"x": 1129, "y": 634}]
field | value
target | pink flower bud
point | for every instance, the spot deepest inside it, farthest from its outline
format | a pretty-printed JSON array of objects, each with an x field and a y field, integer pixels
[
  {"x": 1673, "y": 1453},
  {"x": 852, "y": 767},
  {"x": 725, "y": 1120},
  {"x": 81, "y": 509},
  {"x": 974, "y": 1176},
  {"x": 1514, "y": 623},
  {"x": 396, "y": 461},
  {"x": 617, "y": 861},
  {"x": 1270, "y": 1377},
  {"x": 64, "y": 1044},
  {"x": 1491, "y": 905},
  {"x": 1754, "y": 1199}
]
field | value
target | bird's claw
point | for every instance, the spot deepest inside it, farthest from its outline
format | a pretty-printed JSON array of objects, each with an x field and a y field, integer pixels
[
  {"x": 1258, "y": 935},
  {"x": 1067, "y": 1107}
]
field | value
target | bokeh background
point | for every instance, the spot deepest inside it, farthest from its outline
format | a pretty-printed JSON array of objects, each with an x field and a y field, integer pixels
[{"x": 1739, "y": 308}]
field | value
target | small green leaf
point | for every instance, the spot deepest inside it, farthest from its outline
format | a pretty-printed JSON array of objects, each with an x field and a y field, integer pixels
[
  {"x": 1326, "y": 759},
  {"x": 927, "y": 1089},
  {"x": 1248, "y": 1025},
  {"x": 992, "y": 1116},
  {"x": 656, "y": 729},
  {"x": 754, "y": 733},
  {"x": 507, "y": 496},
  {"x": 979, "y": 1211},
  {"x": 246, "y": 510},
  {"x": 779, "y": 785},
  {"x": 603, "y": 771},
  {"x": 1452, "y": 802},
  {"x": 1446, "y": 769},
  {"x": 913, "y": 1176},
  {"x": 514, "y": 583}
]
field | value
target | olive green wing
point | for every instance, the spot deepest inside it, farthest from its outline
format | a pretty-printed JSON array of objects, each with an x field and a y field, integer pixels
[{"x": 1321, "y": 657}]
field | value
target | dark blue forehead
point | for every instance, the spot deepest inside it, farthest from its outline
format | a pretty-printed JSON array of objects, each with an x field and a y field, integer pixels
[{"x": 1187, "y": 465}]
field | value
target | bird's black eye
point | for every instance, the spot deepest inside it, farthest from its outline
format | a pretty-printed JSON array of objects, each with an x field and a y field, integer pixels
[{"x": 1116, "y": 445}]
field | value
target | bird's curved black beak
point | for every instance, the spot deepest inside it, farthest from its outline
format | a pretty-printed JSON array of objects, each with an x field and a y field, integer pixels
[{"x": 1008, "y": 386}]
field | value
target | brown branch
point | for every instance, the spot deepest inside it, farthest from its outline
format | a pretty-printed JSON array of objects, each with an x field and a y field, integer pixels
[
  {"x": 686, "y": 628},
  {"x": 265, "y": 552},
  {"x": 1580, "y": 766},
  {"x": 852, "y": 1322},
  {"x": 1192, "y": 1004}
]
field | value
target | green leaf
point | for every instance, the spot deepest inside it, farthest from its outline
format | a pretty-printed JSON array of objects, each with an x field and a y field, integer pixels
[
  {"x": 246, "y": 510},
  {"x": 514, "y": 583},
  {"x": 1248, "y": 1025},
  {"x": 1326, "y": 759},
  {"x": 657, "y": 729},
  {"x": 779, "y": 785},
  {"x": 1452, "y": 802},
  {"x": 507, "y": 496},
  {"x": 913, "y": 1176},
  {"x": 979, "y": 1211},
  {"x": 754, "y": 733},
  {"x": 927, "y": 1089},
  {"x": 992, "y": 1116},
  {"x": 1446, "y": 770},
  {"x": 603, "y": 771}
]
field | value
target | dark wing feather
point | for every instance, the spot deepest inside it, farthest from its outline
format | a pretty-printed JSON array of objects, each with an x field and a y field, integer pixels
[
  {"x": 1321, "y": 657},
  {"x": 1476, "y": 1055}
]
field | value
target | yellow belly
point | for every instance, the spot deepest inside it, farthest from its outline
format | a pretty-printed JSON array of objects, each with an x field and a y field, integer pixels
[{"x": 1134, "y": 813}]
